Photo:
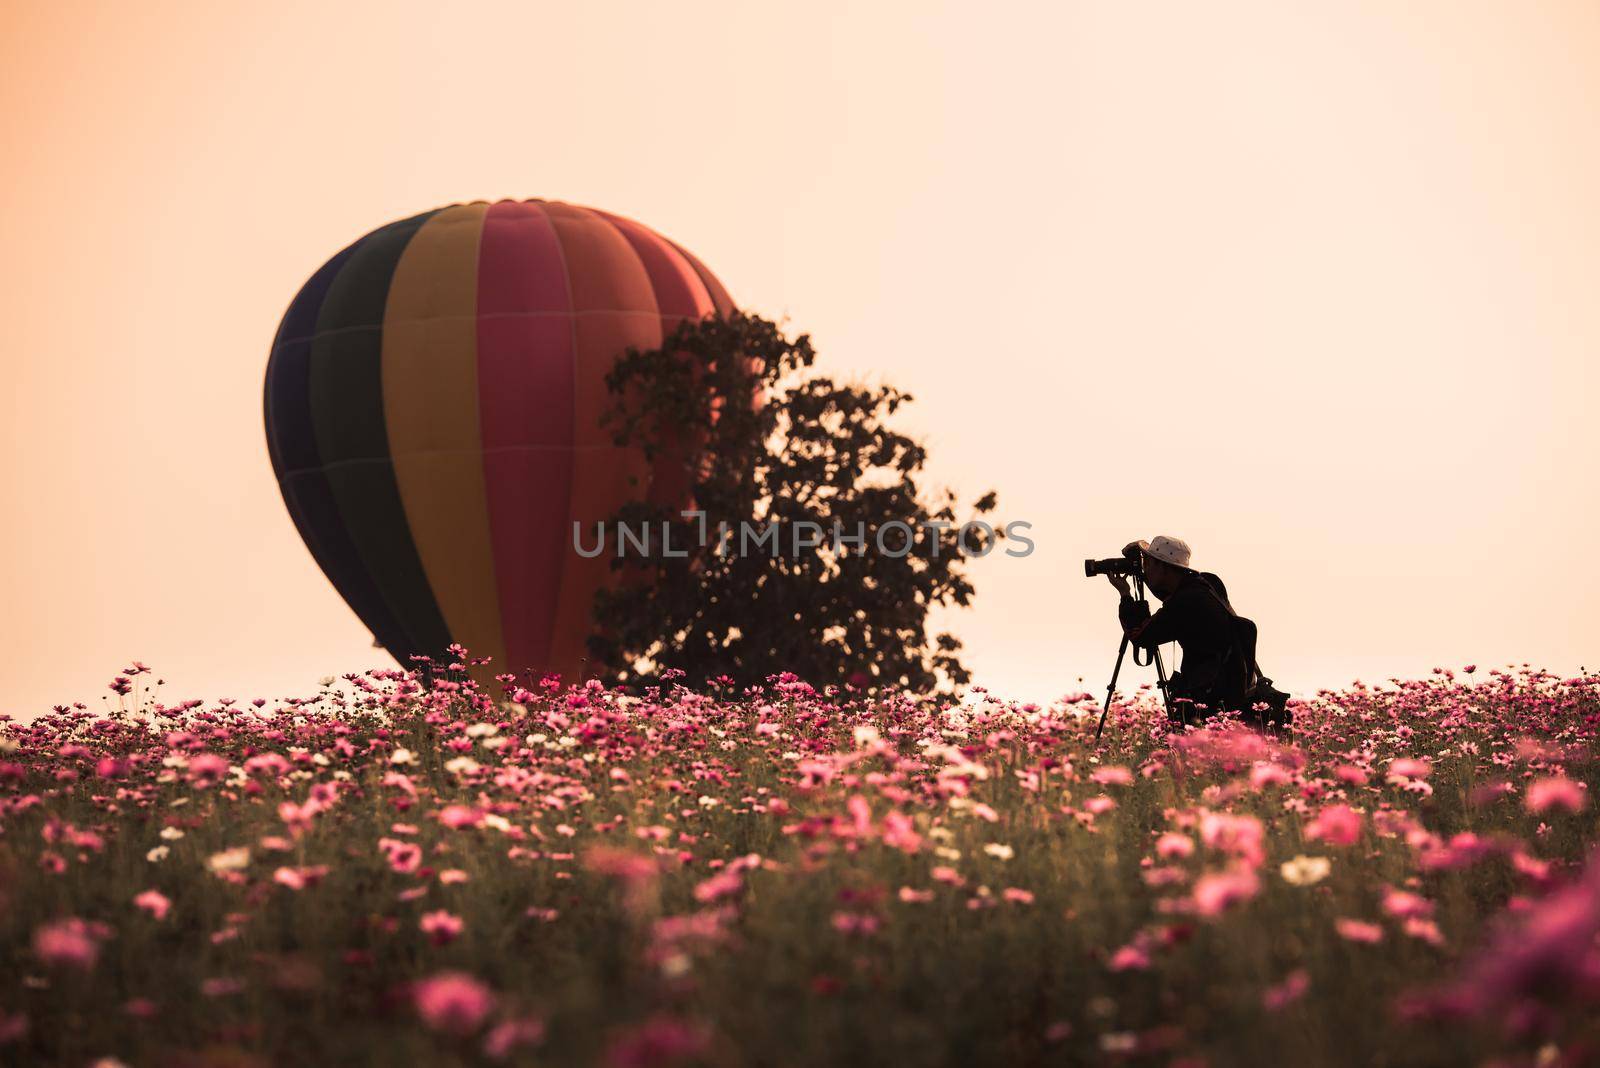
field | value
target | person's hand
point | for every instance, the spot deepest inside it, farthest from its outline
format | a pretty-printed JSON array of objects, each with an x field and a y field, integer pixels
[{"x": 1120, "y": 584}]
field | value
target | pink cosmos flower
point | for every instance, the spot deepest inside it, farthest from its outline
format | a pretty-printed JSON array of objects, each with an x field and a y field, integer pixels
[
  {"x": 1402, "y": 904},
  {"x": 661, "y": 1040},
  {"x": 1017, "y": 896},
  {"x": 855, "y": 923},
  {"x": 508, "y": 1036},
  {"x": 725, "y": 883},
  {"x": 1129, "y": 958},
  {"x": 453, "y": 1002},
  {"x": 1215, "y": 892},
  {"x": 300, "y": 878},
  {"x": 1173, "y": 846},
  {"x": 1424, "y": 929},
  {"x": 900, "y": 833},
  {"x": 441, "y": 926},
  {"x": 457, "y": 817},
  {"x": 630, "y": 866},
  {"x": 1350, "y": 773},
  {"x": 1555, "y": 792},
  {"x": 1239, "y": 836},
  {"x": 112, "y": 768},
  {"x": 140, "y": 1008},
  {"x": 1164, "y": 875},
  {"x": 1409, "y": 768},
  {"x": 1292, "y": 989},
  {"x": 1550, "y": 947},
  {"x": 403, "y": 857},
  {"x": 298, "y": 818},
  {"x": 1112, "y": 775},
  {"x": 942, "y": 873},
  {"x": 914, "y": 896},
  {"x": 70, "y": 943},
  {"x": 154, "y": 902},
  {"x": 1264, "y": 774},
  {"x": 1338, "y": 825},
  {"x": 1358, "y": 930},
  {"x": 206, "y": 769}
]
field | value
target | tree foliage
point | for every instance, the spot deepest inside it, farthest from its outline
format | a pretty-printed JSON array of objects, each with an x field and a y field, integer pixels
[{"x": 732, "y": 408}]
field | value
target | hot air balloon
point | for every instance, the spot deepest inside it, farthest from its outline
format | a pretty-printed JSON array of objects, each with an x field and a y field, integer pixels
[{"x": 433, "y": 403}]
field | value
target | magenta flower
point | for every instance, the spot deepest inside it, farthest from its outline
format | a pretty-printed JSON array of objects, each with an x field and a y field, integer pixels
[
  {"x": 154, "y": 902},
  {"x": 1338, "y": 825},
  {"x": 453, "y": 1002},
  {"x": 1358, "y": 930},
  {"x": 457, "y": 817},
  {"x": 508, "y": 1036},
  {"x": 70, "y": 943},
  {"x": 1112, "y": 775},
  {"x": 1216, "y": 892},
  {"x": 1172, "y": 846},
  {"x": 441, "y": 926},
  {"x": 661, "y": 1040},
  {"x": 1555, "y": 792},
  {"x": 1132, "y": 957},
  {"x": 1292, "y": 989}
]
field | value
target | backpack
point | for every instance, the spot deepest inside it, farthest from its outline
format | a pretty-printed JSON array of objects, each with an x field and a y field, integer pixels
[{"x": 1258, "y": 688}]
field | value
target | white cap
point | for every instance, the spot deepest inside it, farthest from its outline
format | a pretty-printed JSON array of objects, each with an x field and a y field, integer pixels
[{"x": 1174, "y": 551}]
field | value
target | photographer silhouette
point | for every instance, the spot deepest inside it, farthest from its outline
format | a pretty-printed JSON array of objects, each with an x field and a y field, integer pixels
[{"x": 1218, "y": 646}]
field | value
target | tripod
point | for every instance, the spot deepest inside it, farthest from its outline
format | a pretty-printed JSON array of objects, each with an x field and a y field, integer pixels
[{"x": 1122, "y": 651}]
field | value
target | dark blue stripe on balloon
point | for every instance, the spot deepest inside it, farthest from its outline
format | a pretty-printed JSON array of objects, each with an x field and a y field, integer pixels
[{"x": 292, "y": 445}]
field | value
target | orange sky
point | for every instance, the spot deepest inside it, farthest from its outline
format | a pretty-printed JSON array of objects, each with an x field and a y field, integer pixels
[{"x": 1309, "y": 285}]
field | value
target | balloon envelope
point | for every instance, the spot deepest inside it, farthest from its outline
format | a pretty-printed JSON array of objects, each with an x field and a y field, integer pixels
[{"x": 433, "y": 405}]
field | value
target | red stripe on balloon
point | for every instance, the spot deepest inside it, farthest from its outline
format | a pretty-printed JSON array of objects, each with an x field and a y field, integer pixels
[
  {"x": 526, "y": 359},
  {"x": 681, "y": 294}
]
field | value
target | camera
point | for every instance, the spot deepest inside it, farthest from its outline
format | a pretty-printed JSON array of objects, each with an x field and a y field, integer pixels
[{"x": 1129, "y": 563}]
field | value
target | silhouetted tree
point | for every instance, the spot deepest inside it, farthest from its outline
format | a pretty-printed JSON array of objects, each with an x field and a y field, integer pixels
[{"x": 752, "y": 438}]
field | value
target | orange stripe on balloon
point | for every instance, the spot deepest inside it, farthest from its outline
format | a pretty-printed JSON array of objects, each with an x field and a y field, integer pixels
[
  {"x": 614, "y": 307},
  {"x": 430, "y": 397}
]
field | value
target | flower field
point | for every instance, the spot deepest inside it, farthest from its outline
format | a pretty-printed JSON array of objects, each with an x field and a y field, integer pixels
[{"x": 400, "y": 871}]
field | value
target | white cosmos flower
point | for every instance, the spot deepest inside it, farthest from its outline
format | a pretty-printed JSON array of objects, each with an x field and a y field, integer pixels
[
  {"x": 229, "y": 859},
  {"x": 1305, "y": 871}
]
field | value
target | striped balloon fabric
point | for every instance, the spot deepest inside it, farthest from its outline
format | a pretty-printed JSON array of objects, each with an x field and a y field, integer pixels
[{"x": 432, "y": 407}]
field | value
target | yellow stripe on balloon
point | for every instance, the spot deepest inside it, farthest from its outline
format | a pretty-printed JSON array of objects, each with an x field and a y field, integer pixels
[{"x": 430, "y": 401}]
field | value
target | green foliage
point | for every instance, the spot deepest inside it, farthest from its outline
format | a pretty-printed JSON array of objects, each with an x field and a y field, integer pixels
[{"x": 809, "y": 450}]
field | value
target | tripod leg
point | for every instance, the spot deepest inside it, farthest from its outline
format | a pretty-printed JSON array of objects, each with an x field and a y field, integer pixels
[
  {"x": 1161, "y": 675},
  {"x": 1122, "y": 651}
]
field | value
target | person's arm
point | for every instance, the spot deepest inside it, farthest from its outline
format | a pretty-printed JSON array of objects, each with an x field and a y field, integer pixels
[{"x": 1145, "y": 630}]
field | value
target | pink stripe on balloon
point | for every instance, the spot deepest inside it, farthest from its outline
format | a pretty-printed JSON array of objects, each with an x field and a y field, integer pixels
[{"x": 526, "y": 357}]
